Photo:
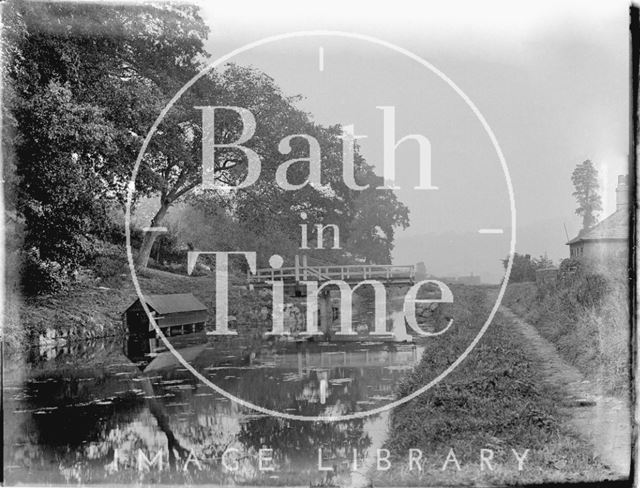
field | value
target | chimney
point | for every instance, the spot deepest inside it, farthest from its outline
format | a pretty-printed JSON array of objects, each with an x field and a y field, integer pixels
[{"x": 622, "y": 193}]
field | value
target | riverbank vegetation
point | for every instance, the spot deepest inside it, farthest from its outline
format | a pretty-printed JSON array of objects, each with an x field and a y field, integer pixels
[
  {"x": 92, "y": 307},
  {"x": 493, "y": 400},
  {"x": 586, "y": 316}
]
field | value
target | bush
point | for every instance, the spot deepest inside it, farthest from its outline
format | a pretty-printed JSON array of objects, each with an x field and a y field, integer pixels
[
  {"x": 110, "y": 265},
  {"x": 38, "y": 276},
  {"x": 111, "y": 229},
  {"x": 592, "y": 289},
  {"x": 586, "y": 316},
  {"x": 523, "y": 268},
  {"x": 166, "y": 248},
  {"x": 570, "y": 265}
]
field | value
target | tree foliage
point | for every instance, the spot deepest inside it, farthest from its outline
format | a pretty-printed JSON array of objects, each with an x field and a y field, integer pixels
[
  {"x": 84, "y": 82},
  {"x": 585, "y": 182},
  {"x": 266, "y": 218},
  {"x": 524, "y": 267}
]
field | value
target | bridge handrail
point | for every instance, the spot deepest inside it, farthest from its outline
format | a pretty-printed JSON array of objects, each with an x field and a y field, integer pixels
[
  {"x": 319, "y": 262},
  {"x": 346, "y": 271}
]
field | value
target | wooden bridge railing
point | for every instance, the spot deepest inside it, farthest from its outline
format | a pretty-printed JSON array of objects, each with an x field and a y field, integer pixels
[{"x": 349, "y": 272}]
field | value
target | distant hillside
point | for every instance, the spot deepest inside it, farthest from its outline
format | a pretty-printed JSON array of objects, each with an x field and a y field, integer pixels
[{"x": 458, "y": 253}]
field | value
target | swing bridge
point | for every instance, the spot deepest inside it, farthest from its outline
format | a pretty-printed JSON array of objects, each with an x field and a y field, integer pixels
[
  {"x": 307, "y": 269},
  {"x": 310, "y": 269}
]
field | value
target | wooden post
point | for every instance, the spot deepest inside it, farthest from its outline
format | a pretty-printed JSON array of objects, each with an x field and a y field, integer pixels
[
  {"x": 297, "y": 261},
  {"x": 326, "y": 315}
]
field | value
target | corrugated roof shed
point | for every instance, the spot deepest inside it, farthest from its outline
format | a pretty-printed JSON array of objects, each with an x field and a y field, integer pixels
[
  {"x": 615, "y": 226},
  {"x": 174, "y": 303}
]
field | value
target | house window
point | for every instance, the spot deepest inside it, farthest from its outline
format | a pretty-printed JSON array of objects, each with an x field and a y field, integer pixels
[{"x": 577, "y": 251}]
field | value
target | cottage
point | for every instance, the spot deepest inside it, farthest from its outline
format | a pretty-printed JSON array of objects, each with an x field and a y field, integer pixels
[
  {"x": 175, "y": 314},
  {"x": 610, "y": 238}
]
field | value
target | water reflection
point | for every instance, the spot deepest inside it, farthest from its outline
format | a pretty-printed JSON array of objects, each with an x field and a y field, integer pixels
[{"x": 88, "y": 420}]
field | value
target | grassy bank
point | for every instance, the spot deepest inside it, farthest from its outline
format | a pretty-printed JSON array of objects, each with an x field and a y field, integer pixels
[
  {"x": 93, "y": 307},
  {"x": 493, "y": 400},
  {"x": 587, "y": 319}
]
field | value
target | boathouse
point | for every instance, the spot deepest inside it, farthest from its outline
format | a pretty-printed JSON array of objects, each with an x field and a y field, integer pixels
[{"x": 175, "y": 314}]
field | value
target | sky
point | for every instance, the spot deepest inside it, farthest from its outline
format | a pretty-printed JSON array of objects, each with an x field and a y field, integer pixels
[{"x": 550, "y": 79}]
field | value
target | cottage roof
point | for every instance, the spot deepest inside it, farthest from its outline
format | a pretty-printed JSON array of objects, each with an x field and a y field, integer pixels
[
  {"x": 174, "y": 303},
  {"x": 615, "y": 226}
]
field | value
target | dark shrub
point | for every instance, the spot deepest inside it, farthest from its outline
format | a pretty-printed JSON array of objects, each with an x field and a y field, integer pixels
[
  {"x": 110, "y": 265},
  {"x": 591, "y": 289},
  {"x": 38, "y": 276},
  {"x": 167, "y": 249}
]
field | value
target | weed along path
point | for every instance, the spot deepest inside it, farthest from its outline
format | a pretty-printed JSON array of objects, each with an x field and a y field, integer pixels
[{"x": 605, "y": 422}]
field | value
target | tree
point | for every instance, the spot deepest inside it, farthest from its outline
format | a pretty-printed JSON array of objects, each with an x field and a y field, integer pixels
[
  {"x": 585, "y": 182},
  {"x": 543, "y": 262},
  {"x": 523, "y": 268},
  {"x": 267, "y": 218},
  {"x": 176, "y": 162},
  {"x": 57, "y": 200},
  {"x": 372, "y": 230},
  {"x": 85, "y": 82}
]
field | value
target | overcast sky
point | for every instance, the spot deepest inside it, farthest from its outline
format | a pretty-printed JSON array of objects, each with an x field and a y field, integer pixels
[{"x": 550, "y": 78}]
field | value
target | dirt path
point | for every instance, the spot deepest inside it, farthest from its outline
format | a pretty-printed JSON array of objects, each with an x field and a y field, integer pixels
[{"x": 603, "y": 421}]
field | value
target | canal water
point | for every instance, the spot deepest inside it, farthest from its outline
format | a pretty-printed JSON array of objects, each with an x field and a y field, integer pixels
[{"x": 98, "y": 411}]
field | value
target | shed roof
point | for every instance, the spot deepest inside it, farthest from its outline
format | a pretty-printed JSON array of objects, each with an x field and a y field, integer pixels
[
  {"x": 174, "y": 303},
  {"x": 615, "y": 226}
]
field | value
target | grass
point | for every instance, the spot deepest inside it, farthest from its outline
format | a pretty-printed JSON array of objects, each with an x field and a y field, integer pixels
[
  {"x": 93, "y": 308},
  {"x": 493, "y": 400},
  {"x": 587, "y": 320}
]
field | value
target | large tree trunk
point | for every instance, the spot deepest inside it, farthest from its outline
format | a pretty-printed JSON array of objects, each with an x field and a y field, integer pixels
[{"x": 150, "y": 237}]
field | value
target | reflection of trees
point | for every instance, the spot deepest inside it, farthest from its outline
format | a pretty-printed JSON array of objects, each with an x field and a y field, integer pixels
[
  {"x": 261, "y": 387},
  {"x": 210, "y": 425},
  {"x": 83, "y": 408},
  {"x": 98, "y": 410},
  {"x": 66, "y": 431},
  {"x": 79, "y": 418},
  {"x": 286, "y": 380},
  {"x": 296, "y": 444},
  {"x": 159, "y": 412}
]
